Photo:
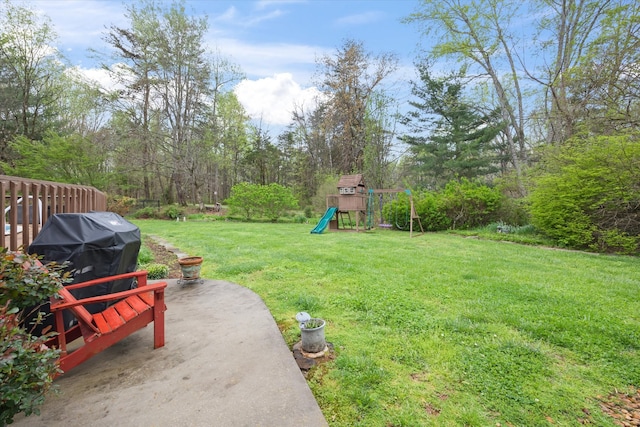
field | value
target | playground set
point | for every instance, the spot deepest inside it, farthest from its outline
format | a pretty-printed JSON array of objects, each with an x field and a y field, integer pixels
[{"x": 366, "y": 207}]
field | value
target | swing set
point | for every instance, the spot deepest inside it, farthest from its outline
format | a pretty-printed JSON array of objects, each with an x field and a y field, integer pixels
[
  {"x": 387, "y": 208},
  {"x": 392, "y": 208}
]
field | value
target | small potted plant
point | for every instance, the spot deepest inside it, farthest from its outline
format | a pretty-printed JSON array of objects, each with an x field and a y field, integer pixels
[{"x": 312, "y": 333}]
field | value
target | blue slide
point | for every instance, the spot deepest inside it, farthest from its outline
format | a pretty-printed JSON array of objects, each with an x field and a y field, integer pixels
[{"x": 324, "y": 221}]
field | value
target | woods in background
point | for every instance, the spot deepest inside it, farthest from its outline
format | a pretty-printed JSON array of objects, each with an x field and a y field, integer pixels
[{"x": 505, "y": 92}]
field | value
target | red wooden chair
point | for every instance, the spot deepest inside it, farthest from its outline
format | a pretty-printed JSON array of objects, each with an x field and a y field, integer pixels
[{"x": 135, "y": 309}]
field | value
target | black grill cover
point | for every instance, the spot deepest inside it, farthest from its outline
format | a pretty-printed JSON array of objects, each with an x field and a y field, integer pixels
[{"x": 97, "y": 244}]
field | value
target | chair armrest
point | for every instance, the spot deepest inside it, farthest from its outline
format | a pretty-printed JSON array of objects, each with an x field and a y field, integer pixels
[
  {"x": 142, "y": 279},
  {"x": 61, "y": 304}
]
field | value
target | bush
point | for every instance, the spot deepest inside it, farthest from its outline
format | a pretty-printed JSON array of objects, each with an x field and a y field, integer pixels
[
  {"x": 398, "y": 212},
  {"x": 243, "y": 199},
  {"x": 120, "y": 204},
  {"x": 155, "y": 271},
  {"x": 145, "y": 255},
  {"x": 25, "y": 282},
  {"x": 588, "y": 194},
  {"x": 271, "y": 201},
  {"x": 462, "y": 205},
  {"x": 308, "y": 212},
  {"x": 429, "y": 207},
  {"x": 470, "y": 204},
  {"x": 27, "y": 366},
  {"x": 300, "y": 219},
  {"x": 146, "y": 213},
  {"x": 172, "y": 212}
]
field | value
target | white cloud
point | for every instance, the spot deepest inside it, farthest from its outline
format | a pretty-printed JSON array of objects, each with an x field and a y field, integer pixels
[
  {"x": 266, "y": 59},
  {"x": 98, "y": 76},
  {"x": 360, "y": 18},
  {"x": 72, "y": 29},
  {"x": 80, "y": 24},
  {"x": 273, "y": 99},
  {"x": 229, "y": 15},
  {"x": 258, "y": 19}
]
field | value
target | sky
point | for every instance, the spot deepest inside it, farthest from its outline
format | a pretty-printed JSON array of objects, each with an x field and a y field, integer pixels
[{"x": 274, "y": 42}]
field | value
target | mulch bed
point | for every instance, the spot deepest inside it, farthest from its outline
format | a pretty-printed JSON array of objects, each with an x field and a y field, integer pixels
[{"x": 161, "y": 255}]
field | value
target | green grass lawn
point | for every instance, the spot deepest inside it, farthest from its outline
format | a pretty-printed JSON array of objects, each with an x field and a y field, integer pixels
[{"x": 439, "y": 329}]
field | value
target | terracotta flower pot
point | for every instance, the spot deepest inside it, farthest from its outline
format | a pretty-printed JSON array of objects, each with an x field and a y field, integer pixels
[{"x": 190, "y": 267}]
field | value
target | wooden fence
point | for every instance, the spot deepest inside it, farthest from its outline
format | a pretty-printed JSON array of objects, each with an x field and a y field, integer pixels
[{"x": 26, "y": 205}]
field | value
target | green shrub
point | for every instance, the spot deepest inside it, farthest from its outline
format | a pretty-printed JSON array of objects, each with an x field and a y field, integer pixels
[
  {"x": 398, "y": 212},
  {"x": 470, "y": 204},
  {"x": 271, "y": 201},
  {"x": 588, "y": 193},
  {"x": 27, "y": 366},
  {"x": 145, "y": 255},
  {"x": 26, "y": 283},
  {"x": 146, "y": 213},
  {"x": 308, "y": 211},
  {"x": 513, "y": 211},
  {"x": 429, "y": 207},
  {"x": 460, "y": 205},
  {"x": 243, "y": 199},
  {"x": 172, "y": 212},
  {"x": 300, "y": 219},
  {"x": 155, "y": 271},
  {"x": 120, "y": 204},
  {"x": 615, "y": 241}
]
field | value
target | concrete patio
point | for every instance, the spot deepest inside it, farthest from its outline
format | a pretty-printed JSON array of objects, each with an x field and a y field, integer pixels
[{"x": 225, "y": 363}]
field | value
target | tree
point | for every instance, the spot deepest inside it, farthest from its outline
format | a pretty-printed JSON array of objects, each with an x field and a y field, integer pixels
[
  {"x": 573, "y": 23},
  {"x": 63, "y": 158},
  {"x": 83, "y": 108},
  {"x": 224, "y": 101},
  {"x": 184, "y": 75},
  {"x": 271, "y": 201},
  {"x": 350, "y": 79},
  {"x": 136, "y": 107},
  {"x": 230, "y": 141},
  {"x": 477, "y": 34},
  {"x": 30, "y": 70},
  {"x": 379, "y": 133},
  {"x": 602, "y": 87},
  {"x": 450, "y": 137},
  {"x": 315, "y": 159},
  {"x": 263, "y": 160},
  {"x": 169, "y": 98}
]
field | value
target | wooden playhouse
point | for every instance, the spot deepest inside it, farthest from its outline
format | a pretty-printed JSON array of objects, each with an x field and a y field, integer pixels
[{"x": 350, "y": 204}]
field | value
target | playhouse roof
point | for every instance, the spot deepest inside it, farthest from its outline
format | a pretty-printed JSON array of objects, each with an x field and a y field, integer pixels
[{"x": 351, "y": 181}]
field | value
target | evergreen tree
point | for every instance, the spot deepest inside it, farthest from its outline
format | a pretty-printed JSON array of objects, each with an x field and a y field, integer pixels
[{"x": 449, "y": 136}]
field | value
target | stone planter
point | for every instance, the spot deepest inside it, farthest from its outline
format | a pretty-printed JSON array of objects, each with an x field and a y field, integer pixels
[
  {"x": 190, "y": 267},
  {"x": 312, "y": 333}
]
